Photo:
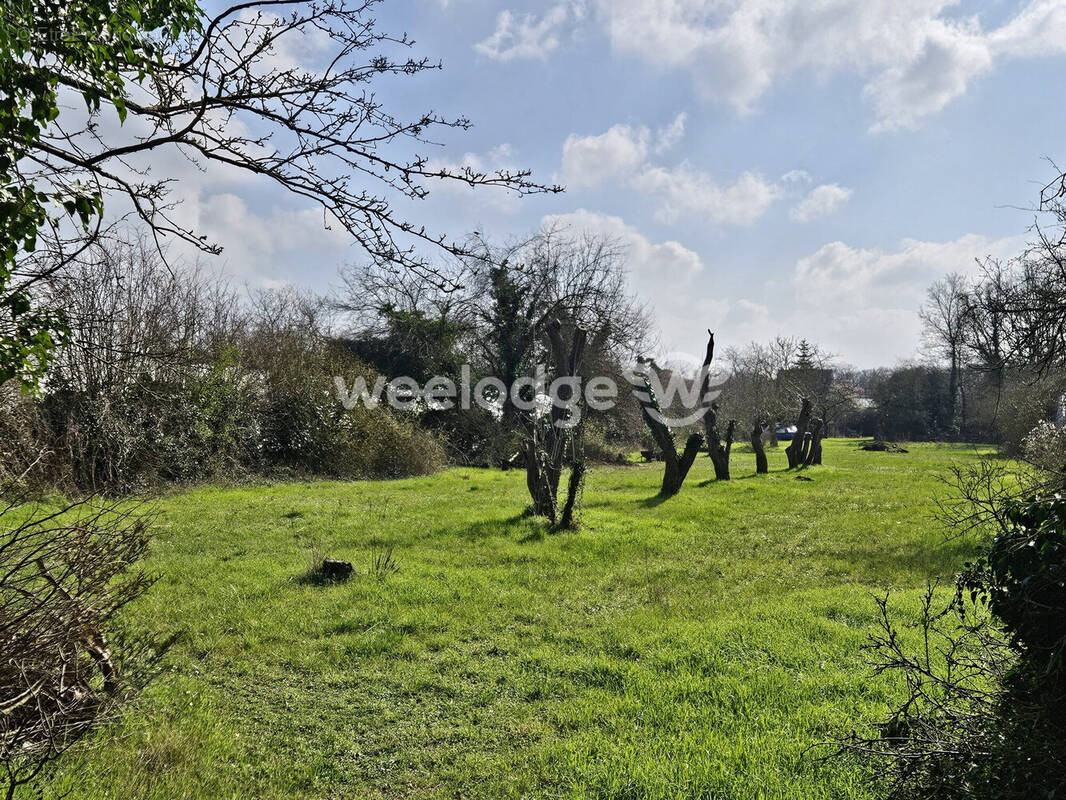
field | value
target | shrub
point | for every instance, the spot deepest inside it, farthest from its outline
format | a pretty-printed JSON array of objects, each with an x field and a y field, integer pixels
[
  {"x": 1024, "y": 404},
  {"x": 66, "y": 573},
  {"x": 1022, "y": 578},
  {"x": 169, "y": 378},
  {"x": 985, "y": 712},
  {"x": 1045, "y": 448}
]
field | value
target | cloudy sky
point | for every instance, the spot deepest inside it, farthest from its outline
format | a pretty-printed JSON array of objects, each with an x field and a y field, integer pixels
[{"x": 799, "y": 167}]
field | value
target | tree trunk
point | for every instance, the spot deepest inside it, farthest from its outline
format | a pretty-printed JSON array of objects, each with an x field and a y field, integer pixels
[
  {"x": 761, "y": 465},
  {"x": 546, "y": 444},
  {"x": 815, "y": 447},
  {"x": 677, "y": 467},
  {"x": 543, "y": 501},
  {"x": 795, "y": 448},
  {"x": 577, "y": 478},
  {"x": 716, "y": 449},
  {"x": 953, "y": 389}
]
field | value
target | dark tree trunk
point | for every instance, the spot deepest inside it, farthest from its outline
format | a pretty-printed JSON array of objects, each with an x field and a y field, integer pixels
[
  {"x": 577, "y": 477},
  {"x": 796, "y": 447},
  {"x": 953, "y": 390},
  {"x": 814, "y": 449},
  {"x": 761, "y": 465},
  {"x": 678, "y": 466},
  {"x": 538, "y": 483},
  {"x": 717, "y": 449}
]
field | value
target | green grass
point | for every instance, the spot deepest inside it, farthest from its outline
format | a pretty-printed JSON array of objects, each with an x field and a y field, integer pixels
[{"x": 693, "y": 648}]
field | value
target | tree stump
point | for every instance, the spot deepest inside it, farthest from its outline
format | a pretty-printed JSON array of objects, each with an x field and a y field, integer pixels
[{"x": 333, "y": 569}]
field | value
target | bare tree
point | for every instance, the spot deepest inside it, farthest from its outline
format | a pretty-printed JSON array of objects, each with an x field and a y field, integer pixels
[
  {"x": 553, "y": 436},
  {"x": 944, "y": 317},
  {"x": 503, "y": 300},
  {"x": 225, "y": 92},
  {"x": 677, "y": 465}
]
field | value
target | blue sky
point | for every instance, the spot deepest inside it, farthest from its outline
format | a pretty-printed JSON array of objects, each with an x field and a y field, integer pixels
[{"x": 797, "y": 167}]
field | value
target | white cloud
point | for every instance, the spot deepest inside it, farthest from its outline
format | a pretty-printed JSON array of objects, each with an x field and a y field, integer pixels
[
  {"x": 589, "y": 161},
  {"x": 862, "y": 277},
  {"x": 684, "y": 191},
  {"x": 860, "y": 303},
  {"x": 820, "y": 202},
  {"x": 796, "y": 176},
  {"x": 915, "y": 55},
  {"x": 648, "y": 263},
  {"x": 525, "y": 36},
  {"x": 622, "y": 154},
  {"x": 669, "y": 135},
  {"x": 263, "y": 246},
  {"x": 938, "y": 73}
]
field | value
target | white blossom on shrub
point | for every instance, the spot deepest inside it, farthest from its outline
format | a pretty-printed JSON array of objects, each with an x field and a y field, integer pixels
[{"x": 1045, "y": 447}]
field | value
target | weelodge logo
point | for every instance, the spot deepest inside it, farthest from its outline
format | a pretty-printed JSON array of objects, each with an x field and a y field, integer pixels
[
  {"x": 679, "y": 401},
  {"x": 534, "y": 394}
]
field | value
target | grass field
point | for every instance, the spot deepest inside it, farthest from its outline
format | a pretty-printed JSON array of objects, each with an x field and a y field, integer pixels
[{"x": 693, "y": 648}]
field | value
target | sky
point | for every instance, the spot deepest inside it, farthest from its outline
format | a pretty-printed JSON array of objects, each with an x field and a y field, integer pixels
[{"x": 773, "y": 167}]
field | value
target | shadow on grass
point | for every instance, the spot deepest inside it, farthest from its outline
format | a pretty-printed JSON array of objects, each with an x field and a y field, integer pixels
[
  {"x": 913, "y": 562},
  {"x": 530, "y": 527},
  {"x": 654, "y": 501}
]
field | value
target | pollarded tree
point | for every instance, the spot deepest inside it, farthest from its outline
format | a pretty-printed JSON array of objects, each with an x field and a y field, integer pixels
[
  {"x": 221, "y": 89},
  {"x": 677, "y": 464}
]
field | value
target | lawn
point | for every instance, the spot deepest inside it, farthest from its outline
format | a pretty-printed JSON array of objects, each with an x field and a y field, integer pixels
[{"x": 693, "y": 648}]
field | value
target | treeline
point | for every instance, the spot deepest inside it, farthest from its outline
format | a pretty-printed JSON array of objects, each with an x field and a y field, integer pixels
[
  {"x": 169, "y": 376},
  {"x": 999, "y": 340}
]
